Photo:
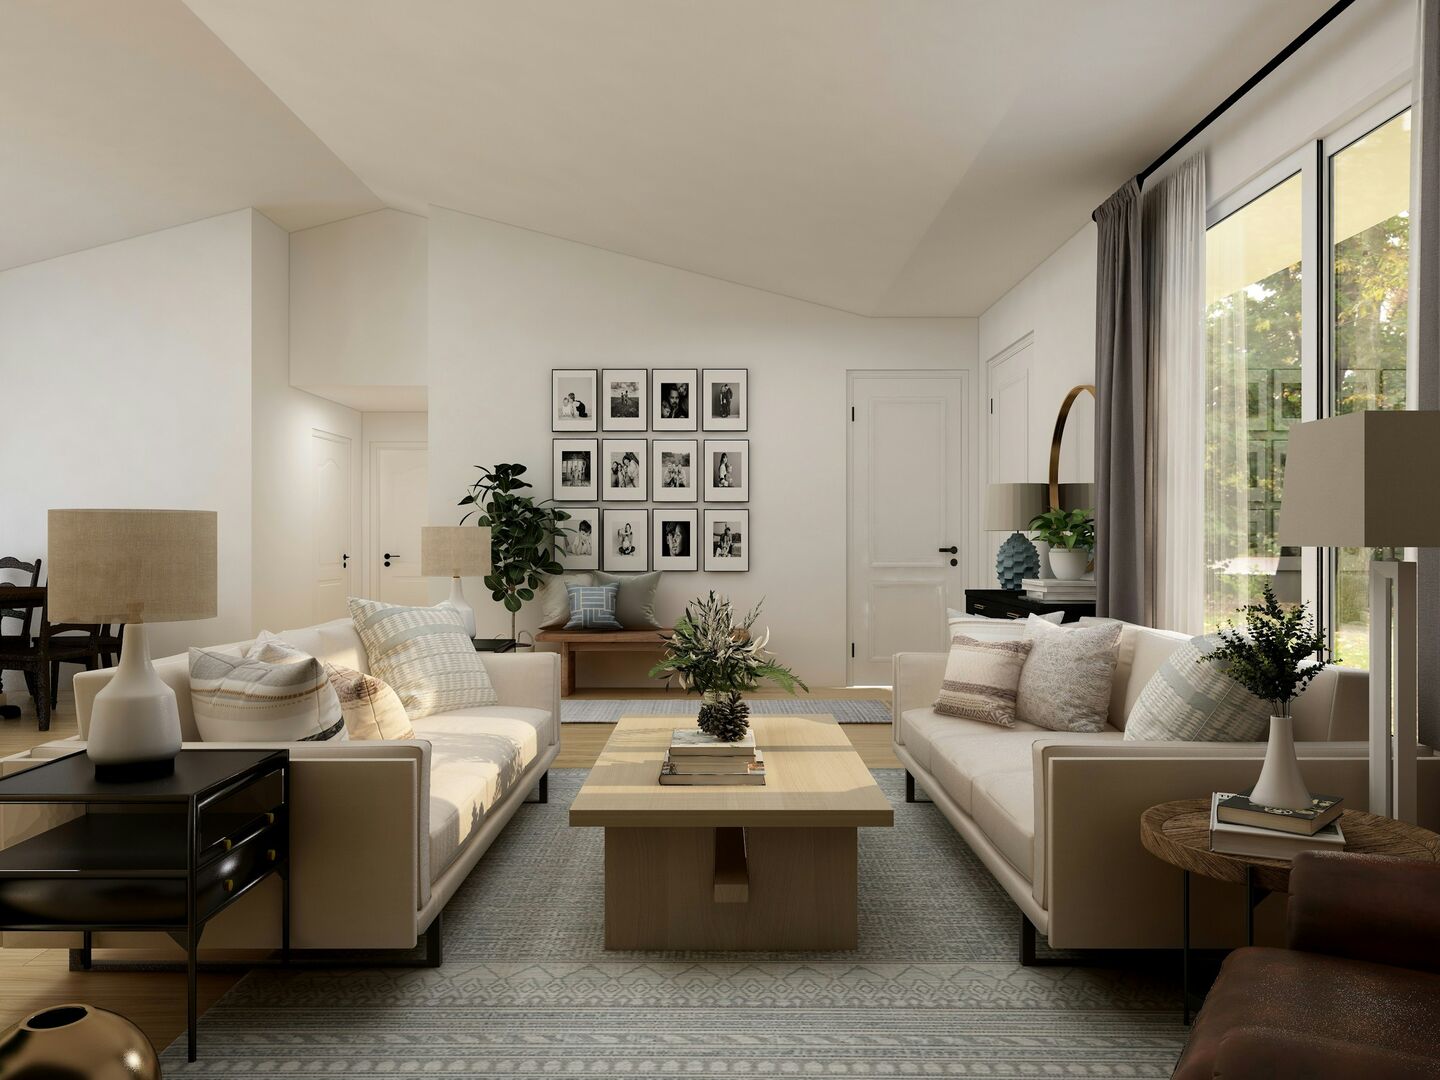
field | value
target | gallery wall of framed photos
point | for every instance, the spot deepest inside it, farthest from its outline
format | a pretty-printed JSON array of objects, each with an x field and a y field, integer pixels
[{"x": 639, "y": 454}]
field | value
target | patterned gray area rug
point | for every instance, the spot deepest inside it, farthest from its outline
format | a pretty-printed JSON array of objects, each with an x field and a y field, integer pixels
[
  {"x": 527, "y": 989},
  {"x": 597, "y": 711}
]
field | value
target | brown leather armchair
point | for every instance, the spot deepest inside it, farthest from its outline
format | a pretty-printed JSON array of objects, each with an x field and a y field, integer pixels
[{"x": 1356, "y": 994}]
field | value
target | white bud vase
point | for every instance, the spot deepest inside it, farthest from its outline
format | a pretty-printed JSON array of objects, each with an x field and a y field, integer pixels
[{"x": 1280, "y": 782}]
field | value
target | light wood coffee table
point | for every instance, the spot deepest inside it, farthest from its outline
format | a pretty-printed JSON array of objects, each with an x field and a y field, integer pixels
[{"x": 732, "y": 867}]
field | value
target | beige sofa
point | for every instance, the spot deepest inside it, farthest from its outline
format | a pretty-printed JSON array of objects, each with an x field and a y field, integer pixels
[
  {"x": 382, "y": 832},
  {"x": 1055, "y": 816}
]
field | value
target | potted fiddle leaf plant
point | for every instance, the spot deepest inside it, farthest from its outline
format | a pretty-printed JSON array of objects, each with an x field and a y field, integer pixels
[
  {"x": 1070, "y": 535},
  {"x": 523, "y": 532},
  {"x": 1275, "y": 657},
  {"x": 714, "y": 655}
]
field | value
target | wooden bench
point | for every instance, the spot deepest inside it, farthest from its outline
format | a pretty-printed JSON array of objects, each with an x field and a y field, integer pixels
[{"x": 578, "y": 641}]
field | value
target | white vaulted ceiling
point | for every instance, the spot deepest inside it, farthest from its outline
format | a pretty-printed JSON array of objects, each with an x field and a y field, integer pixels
[{"x": 882, "y": 156}]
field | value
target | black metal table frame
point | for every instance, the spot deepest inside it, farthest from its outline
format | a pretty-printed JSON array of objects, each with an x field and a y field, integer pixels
[
  {"x": 1254, "y": 895},
  {"x": 193, "y": 927}
]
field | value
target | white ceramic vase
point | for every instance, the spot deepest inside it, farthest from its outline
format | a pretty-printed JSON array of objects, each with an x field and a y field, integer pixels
[
  {"x": 1281, "y": 783},
  {"x": 1069, "y": 564}
]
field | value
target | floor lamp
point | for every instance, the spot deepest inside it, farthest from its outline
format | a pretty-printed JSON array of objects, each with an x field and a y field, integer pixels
[{"x": 1350, "y": 481}]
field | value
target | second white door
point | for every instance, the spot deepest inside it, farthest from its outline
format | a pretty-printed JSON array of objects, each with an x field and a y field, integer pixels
[
  {"x": 399, "y": 475},
  {"x": 334, "y": 536}
]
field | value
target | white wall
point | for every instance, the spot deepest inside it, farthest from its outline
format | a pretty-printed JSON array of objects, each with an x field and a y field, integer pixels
[
  {"x": 283, "y": 420},
  {"x": 358, "y": 310},
  {"x": 131, "y": 364},
  {"x": 507, "y": 305}
]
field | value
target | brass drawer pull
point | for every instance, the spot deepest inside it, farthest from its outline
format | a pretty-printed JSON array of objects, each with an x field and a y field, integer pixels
[
  {"x": 229, "y": 885},
  {"x": 270, "y": 818},
  {"x": 228, "y": 843},
  {"x": 272, "y": 854}
]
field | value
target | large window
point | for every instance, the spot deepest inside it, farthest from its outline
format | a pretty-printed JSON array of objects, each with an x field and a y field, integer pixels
[{"x": 1276, "y": 272}]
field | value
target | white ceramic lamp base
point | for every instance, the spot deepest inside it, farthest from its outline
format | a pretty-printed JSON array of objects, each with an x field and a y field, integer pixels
[
  {"x": 457, "y": 600},
  {"x": 1281, "y": 783},
  {"x": 134, "y": 722}
]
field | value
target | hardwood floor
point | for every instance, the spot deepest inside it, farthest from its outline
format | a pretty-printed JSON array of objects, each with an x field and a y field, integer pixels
[{"x": 32, "y": 979}]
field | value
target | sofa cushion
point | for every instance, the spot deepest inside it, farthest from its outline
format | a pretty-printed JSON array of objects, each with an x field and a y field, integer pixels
[
  {"x": 1066, "y": 682},
  {"x": 477, "y": 755},
  {"x": 592, "y": 607},
  {"x": 924, "y": 729},
  {"x": 1003, "y": 806},
  {"x": 635, "y": 604},
  {"x": 424, "y": 654},
  {"x": 371, "y": 709},
  {"x": 555, "y": 599},
  {"x": 981, "y": 678},
  {"x": 273, "y": 694},
  {"x": 1193, "y": 699}
]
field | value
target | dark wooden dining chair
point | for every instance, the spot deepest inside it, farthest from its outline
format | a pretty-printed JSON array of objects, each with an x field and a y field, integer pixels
[
  {"x": 69, "y": 643},
  {"x": 38, "y": 657},
  {"x": 17, "y": 615},
  {"x": 112, "y": 640}
]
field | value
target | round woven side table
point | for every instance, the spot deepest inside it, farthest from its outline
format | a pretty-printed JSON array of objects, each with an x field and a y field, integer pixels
[{"x": 1179, "y": 833}]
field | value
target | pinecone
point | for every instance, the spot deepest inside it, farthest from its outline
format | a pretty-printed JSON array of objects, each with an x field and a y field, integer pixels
[{"x": 726, "y": 719}]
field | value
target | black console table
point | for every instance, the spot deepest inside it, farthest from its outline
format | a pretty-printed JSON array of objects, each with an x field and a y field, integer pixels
[
  {"x": 1003, "y": 604},
  {"x": 166, "y": 854}
]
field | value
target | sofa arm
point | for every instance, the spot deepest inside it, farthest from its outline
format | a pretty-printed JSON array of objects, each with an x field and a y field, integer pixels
[
  {"x": 1366, "y": 907},
  {"x": 1270, "y": 1054},
  {"x": 917, "y": 685},
  {"x": 530, "y": 680}
]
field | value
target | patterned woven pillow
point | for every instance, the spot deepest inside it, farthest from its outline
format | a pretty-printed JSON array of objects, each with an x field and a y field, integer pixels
[
  {"x": 592, "y": 607},
  {"x": 424, "y": 654},
  {"x": 1191, "y": 698},
  {"x": 251, "y": 699},
  {"x": 371, "y": 709},
  {"x": 981, "y": 680},
  {"x": 1065, "y": 685}
]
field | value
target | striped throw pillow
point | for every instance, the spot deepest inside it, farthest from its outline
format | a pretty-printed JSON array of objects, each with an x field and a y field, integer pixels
[
  {"x": 1191, "y": 698},
  {"x": 371, "y": 709},
  {"x": 592, "y": 607},
  {"x": 286, "y": 698},
  {"x": 424, "y": 654},
  {"x": 986, "y": 629},
  {"x": 982, "y": 679}
]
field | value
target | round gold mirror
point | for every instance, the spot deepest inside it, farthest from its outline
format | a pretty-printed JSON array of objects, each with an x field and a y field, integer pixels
[{"x": 1059, "y": 437}]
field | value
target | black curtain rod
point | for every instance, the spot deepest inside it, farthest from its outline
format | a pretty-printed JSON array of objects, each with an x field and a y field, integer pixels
[{"x": 1250, "y": 84}]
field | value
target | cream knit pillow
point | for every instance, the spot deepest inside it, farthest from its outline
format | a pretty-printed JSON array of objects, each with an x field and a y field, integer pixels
[{"x": 1065, "y": 685}]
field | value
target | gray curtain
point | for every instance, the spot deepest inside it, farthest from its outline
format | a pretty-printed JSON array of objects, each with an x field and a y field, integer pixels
[
  {"x": 1122, "y": 386},
  {"x": 1425, "y": 311}
]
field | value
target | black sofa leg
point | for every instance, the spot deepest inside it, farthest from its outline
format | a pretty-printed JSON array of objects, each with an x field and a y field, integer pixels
[
  {"x": 1027, "y": 941},
  {"x": 434, "y": 944},
  {"x": 909, "y": 787},
  {"x": 542, "y": 790}
]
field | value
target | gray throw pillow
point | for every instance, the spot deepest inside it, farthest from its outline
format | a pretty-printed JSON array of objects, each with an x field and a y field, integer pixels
[
  {"x": 636, "y": 607},
  {"x": 555, "y": 601},
  {"x": 1191, "y": 698},
  {"x": 1065, "y": 684}
]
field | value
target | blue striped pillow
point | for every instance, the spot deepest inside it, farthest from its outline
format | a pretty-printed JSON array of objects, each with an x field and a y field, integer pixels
[{"x": 592, "y": 607}]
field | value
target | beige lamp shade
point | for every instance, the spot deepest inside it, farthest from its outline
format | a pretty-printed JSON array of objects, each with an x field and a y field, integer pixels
[
  {"x": 132, "y": 566},
  {"x": 1358, "y": 480},
  {"x": 1012, "y": 506},
  {"x": 454, "y": 551},
  {"x": 1077, "y": 497}
]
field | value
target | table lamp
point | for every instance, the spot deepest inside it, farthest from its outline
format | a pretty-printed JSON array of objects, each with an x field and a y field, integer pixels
[
  {"x": 1350, "y": 482},
  {"x": 456, "y": 551},
  {"x": 1013, "y": 506},
  {"x": 135, "y": 567}
]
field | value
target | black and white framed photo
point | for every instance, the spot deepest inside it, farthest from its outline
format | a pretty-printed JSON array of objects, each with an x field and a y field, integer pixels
[
  {"x": 624, "y": 399},
  {"x": 577, "y": 470},
  {"x": 675, "y": 466},
  {"x": 627, "y": 540},
  {"x": 727, "y": 540},
  {"x": 574, "y": 399},
  {"x": 579, "y": 548},
  {"x": 674, "y": 406},
  {"x": 727, "y": 470},
  {"x": 624, "y": 468},
  {"x": 676, "y": 538},
  {"x": 726, "y": 396}
]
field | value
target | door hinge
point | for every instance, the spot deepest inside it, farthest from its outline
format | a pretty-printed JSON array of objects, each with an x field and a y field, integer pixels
[{"x": 852, "y": 650}]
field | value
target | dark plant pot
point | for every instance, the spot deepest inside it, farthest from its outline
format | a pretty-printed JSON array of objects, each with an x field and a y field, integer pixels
[
  {"x": 76, "y": 1040},
  {"x": 724, "y": 716}
]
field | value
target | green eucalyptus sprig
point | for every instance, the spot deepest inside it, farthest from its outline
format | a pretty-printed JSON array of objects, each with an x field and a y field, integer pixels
[
  {"x": 1068, "y": 529},
  {"x": 709, "y": 651},
  {"x": 1278, "y": 653}
]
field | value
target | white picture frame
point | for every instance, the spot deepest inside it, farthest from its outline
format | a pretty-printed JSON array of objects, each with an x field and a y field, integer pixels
[
  {"x": 675, "y": 470},
  {"x": 674, "y": 404},
  {"x": 579, "y": 548},
  {"x": 727, "y": 540},
  {"x": 675, "y": 539},
  {"x": 626, "y": 539},
  {"x": 725, "y": 399},
  {"x": 624, "y": 399},
  {"x": 726, "y": 465},
  {"x": 575, "y": 469},
  {"x": 574, "y": 399},
  {"x": 624, "y": 470}
]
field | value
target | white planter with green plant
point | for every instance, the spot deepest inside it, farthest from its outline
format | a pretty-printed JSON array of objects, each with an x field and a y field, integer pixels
[
  {"x": 1275, "y": 658},
  {"x": 1071, "y": 537}
]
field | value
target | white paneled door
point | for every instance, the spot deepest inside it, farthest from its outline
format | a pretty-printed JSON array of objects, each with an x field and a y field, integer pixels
[
  {"x": 334, "y": 536},
  {"x": 1009, "y": 416},
  {"x": 907, "y": 537},
  {"x": 398, "y": 503}
]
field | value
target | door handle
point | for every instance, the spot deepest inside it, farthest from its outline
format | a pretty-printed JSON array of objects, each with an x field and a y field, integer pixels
[
  {"x": 344, "y": 562},
  {"x": 389, "y": 556},
  {"x": 951, "y": 550}
]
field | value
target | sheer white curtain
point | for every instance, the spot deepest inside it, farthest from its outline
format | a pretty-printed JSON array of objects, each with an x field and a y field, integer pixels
[{"x": 1174, "y": 234}]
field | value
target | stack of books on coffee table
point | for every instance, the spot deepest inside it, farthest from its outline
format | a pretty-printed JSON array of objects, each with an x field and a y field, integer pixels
[
  {"x": 1241, "y": 827},
  {"x": 1055, "y": 591},
  {"x": 697, "y": 758}
]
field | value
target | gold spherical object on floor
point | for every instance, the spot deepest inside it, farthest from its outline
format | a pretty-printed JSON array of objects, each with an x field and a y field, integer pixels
[{"x": 76, "y": 1040}]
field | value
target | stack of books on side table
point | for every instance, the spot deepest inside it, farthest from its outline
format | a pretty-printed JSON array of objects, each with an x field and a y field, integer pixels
[
  {"x": 1055, "y": 591},
  {"x": 697, "y": 758},
  {"x": 1241, "y": 827}
]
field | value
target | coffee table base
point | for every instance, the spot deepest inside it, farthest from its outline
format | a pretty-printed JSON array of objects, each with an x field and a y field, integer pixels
[{"x": 731, "y": 888}]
